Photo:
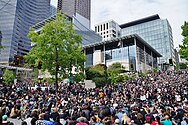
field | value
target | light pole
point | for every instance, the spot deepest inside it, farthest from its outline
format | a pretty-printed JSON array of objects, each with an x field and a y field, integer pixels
[{"x": 106, "y": 75}]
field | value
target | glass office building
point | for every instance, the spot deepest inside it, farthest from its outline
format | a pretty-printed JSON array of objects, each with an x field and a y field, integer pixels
[
  {"x": 16, "y": 17},
  {"x": 0, "y": 38},
  {"x": 131, "y": 51},
  {"x": 156, "y": 32},
  {"x": 88, "y": 36}
]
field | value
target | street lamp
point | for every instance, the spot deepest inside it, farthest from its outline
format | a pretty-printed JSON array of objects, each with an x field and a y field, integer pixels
[{"x": 106, "y": 75}]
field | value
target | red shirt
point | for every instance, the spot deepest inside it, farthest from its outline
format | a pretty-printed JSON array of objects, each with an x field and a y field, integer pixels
[{"x": 156, "y": 123}]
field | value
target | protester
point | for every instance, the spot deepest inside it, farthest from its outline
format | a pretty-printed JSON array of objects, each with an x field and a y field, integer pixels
[
  {"x": 5, "y": 120},
  {"x": 159, "y": 98}
]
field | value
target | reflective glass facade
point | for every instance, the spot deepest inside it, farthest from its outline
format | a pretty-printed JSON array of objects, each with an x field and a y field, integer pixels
[
  {"x": 156, "y": 32},
  {"x": 126, "y": 53},
  {"x": 16, "y": 17},
  {"x": 0, "y": 38},
  {"x": 88, "y": 36},
  {"x": 131, "y": 51}
]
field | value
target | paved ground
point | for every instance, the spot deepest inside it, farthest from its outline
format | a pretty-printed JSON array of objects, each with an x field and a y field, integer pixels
[{"x": 15, "y": 121}]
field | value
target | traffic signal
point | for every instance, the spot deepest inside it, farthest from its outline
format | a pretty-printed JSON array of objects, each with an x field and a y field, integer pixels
[
  {"x": 132, "y": 66},
  {"x": 16, "y": 60},
  {"x": 40, "y": 65},
  {"x": 170, "y": 62}
]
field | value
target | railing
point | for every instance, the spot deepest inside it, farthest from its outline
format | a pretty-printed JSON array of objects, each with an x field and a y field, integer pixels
[{"x": 17, "y": 68}]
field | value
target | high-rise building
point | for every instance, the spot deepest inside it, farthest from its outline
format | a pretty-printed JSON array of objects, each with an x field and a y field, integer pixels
[
  {"x": 156, "y": 32},
  {"x": 16, "y": 17},
  {"x": 88, "y": 36},
  {"x": 108, "y": 30},
  {"x": 0, "y": 38},
  {"x": 53, "y": 10},
  {"x": 76, "y": 7},
  {"x": 177, "y": 60}
]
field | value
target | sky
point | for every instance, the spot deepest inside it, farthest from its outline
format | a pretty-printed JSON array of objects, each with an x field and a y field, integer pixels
[{"x": 124, "y": 11}]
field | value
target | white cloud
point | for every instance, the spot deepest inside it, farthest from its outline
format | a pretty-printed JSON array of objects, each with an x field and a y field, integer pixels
[{"x": 123, "y": 11}]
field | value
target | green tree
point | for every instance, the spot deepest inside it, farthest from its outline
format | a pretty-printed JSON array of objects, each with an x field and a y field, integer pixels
[
  {"x": 79, "y": 77},
  {"x": 57, "y": 47},
  {"x": 114, "y": 77},
  {"x": 114, "y": 71},
  {"x": 95, "y": 71},
  {"x": 115, "y": 66},
  {"x": 97, "y": 74},
  {"x": 184, "y": 47},
  {"x": 183, "y": 65},
  {"x": 8, "y": 77}
]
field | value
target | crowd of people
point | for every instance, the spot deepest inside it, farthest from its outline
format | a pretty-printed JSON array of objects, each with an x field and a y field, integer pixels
[{"x": 156, "y": 99}]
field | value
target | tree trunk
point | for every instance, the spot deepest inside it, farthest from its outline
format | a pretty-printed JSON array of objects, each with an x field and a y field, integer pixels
[{"x": 56, "y": 70}]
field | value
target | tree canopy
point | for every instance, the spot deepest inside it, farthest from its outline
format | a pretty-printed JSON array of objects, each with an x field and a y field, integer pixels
[
  {"x": 184, "y": 47},
  {"x": 57, "y": 47},
  {"x": 115, "y": 74},
  {"x": 8, "y": 77}
]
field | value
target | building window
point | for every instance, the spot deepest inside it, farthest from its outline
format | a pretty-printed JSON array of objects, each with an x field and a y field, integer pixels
[
  {"x": 106, "y": 25},
  {"x": 95, "y": 29},
  {"x": 98, "y": 28},
  {"x": 114, "y": 31},
  {"x": 101, "y": 27}
]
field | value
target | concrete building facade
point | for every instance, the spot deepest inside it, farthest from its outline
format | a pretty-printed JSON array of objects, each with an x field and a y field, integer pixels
[
  {"x": 76, "y": 8},
  {"x": 108, "y": 30}
]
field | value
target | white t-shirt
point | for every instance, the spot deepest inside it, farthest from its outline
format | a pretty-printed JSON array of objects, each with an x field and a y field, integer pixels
[
  {"x": 28, "y": 120},
  {"x": 143, "y": 97},
  {"x": 178, "y": 98}
]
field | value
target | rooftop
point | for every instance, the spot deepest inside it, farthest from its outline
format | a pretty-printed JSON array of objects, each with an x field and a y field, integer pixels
[{"x": 139, "y": 21}]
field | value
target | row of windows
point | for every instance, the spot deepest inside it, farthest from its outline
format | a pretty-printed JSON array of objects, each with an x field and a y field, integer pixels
[
  {"x": 146, "y": 58},
  {"x": 27, "y": 14},
  {"x": 104, "y": 33},
  {"x": 101, "y": 27},
  {"x": 110, "y": 35}
]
